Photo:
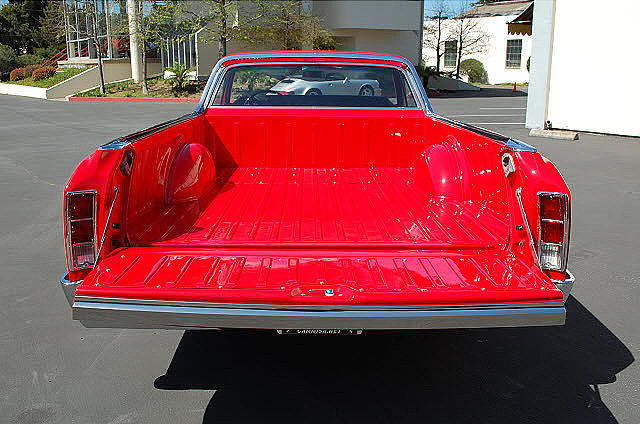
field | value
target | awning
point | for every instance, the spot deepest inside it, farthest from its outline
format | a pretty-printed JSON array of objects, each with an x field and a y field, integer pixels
[
  {"x": 522, "y": 23},
  {"x": 521, "y": 29}
]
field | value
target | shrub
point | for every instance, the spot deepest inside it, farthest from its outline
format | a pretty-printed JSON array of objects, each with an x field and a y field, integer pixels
[
  {"x": 25, "y": 60},
  {"x": 120, "y": 45},
  {"x": 528, "y": 63},
  {"x": 7, "y": 58},
  {"x": 28, "y": 70},
  {"x": 180, "y": 79},
  {"x": 474, "y": 69},
  {"x": 47, "y": 52},
  {"x": 426, "y": 73},
  {"x": 17, "y": 74},
  {"x": 43, "y": 73}
]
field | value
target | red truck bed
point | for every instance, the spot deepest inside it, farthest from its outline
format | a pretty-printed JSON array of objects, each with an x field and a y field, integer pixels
[
  {"x": 315, "y": 217},
  {"x": 320, "y": 207}
]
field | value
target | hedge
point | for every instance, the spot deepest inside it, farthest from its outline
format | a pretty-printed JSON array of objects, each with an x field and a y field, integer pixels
[
  {"x": 44, "y": 72},
  {"x": 17, "y": 74},
  {"x": 28, "y": 70},
  {"x": 474, "y": 69},
  {"x": 25, "y": 60}
]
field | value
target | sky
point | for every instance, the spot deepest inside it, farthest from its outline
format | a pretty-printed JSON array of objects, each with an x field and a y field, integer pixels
[{"x": 454, "y": 5}]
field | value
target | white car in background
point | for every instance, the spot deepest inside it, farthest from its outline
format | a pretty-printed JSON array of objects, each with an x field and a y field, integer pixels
[{"x": 316, "y": 83}]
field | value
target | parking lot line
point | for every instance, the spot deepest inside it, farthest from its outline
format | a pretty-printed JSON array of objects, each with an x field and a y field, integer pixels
[{"x": 519, "y": 108}]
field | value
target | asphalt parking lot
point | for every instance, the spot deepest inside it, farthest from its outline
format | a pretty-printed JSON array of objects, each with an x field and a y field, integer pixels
[{"x": 54, "y": 370}]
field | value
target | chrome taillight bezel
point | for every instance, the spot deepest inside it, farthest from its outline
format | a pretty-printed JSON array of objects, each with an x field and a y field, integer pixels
[
  {"x": 67, "y": 223},
  {"x": 564, "y": 246}
]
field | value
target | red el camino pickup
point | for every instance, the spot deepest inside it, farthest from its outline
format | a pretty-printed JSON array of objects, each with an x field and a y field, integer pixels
[{"x": 266, "y": 209}]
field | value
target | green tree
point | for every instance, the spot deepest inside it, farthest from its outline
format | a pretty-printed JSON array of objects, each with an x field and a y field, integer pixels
[
  {"x": 91, "y": 16},
  {"x": 8, "y": 58},
  {"x": 223, "y": 21},
  {"x": 471, "y": 38},
  {"x": 51, "y": 31},
  {"x": 19, "y": 20},
  {"x": 435, "y": 33},
  {"x": 474, "y": 69},
  {"x": 157, "y": 20},
  {"x": 288, "y": 25},
  {"x": 283, "y": 24}
]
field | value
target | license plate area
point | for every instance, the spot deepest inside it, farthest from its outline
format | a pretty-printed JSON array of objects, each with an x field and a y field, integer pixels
[{"x": 321, "y": 332}]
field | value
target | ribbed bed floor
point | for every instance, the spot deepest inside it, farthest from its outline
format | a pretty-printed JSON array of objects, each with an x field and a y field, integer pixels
[{"x": 316, "y": 207}]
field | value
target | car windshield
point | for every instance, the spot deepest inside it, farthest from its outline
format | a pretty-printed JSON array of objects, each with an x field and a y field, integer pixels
[{"x": 314, "y": 85}]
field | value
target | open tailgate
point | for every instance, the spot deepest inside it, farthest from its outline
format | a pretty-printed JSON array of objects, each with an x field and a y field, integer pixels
[{"x": 158, "y": 287}]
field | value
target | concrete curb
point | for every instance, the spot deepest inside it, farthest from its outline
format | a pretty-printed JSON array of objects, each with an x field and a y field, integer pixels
[
  {"x": 134, "y": 99},
  {"x": 558, "y": 134},
  {"x": 23, "y": 90}
]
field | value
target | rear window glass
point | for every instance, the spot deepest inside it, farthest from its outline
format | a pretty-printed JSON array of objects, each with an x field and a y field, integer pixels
[{"x": 314, "y": 85}]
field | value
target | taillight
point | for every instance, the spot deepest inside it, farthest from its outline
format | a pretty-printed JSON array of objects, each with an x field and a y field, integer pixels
[
  {"x": 81, "y": 229},
  {"x": 553, "y": 237}
]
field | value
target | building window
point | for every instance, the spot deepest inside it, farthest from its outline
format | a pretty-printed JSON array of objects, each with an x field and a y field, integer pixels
[
  {"x": 514, "y": 53},
  {"x": 450, "y": 53}
]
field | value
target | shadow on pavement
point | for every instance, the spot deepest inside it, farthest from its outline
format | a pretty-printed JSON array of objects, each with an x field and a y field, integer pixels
[
  {"x": 484, "y": 92},
  {"x": 496, "y": 375}
]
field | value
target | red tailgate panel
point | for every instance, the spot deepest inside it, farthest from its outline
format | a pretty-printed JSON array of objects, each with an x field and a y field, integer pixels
[{"x": 374, "y": 277}]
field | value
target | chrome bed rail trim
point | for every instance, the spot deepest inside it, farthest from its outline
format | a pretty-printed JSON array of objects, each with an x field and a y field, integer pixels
[
  {"x": 511, "y": 143},
  {"x": 129, "y": 313},
  {"x": 121, "y": 142}
]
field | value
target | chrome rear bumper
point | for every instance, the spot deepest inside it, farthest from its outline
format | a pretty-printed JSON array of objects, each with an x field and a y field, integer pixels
[
  {"x": 127, "y": 313},
  {"x": 69, "y": 288},
  {"x": 136, "y": 313},
  {"x": 566, "y": 285}
]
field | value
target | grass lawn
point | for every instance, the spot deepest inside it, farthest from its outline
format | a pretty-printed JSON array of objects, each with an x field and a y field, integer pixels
[
  {"x": 158, "y": 87},
  {"x": 49, "y": 82}
]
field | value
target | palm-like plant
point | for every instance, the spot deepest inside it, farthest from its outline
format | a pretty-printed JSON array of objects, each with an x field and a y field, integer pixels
[
  {"x": 179, "y": 79},
  {"x": 426, "y": 73}
]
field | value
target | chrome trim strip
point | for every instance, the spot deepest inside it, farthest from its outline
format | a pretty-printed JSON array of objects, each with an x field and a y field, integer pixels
[
  {"x": 314, "y": 53},
  {"x": 511, "y": 143},
  {"x": 565, "y": 285},
  {"x": 520, "y": 146},
  {"x": 527, "y": 227},
  {"x": 107, "y": 223},
  {"x": 126, "y": 315},
  {"x": 122, "y": 142},
  {"x": 567, "y": 227},
  {"x": 408, "y": 74},
  {"x": 69, "y": 288},
  {"x": 298, "y": 307}
]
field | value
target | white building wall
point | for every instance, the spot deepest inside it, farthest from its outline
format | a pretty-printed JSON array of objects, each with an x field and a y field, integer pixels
[
  {"x": 585, "y": 44},
  {"x": 399, "y": 15},
  {"x": 381, "y": 26},
  {"x": 400, "y": 43},
  {"x": 494, "y": 59}
]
